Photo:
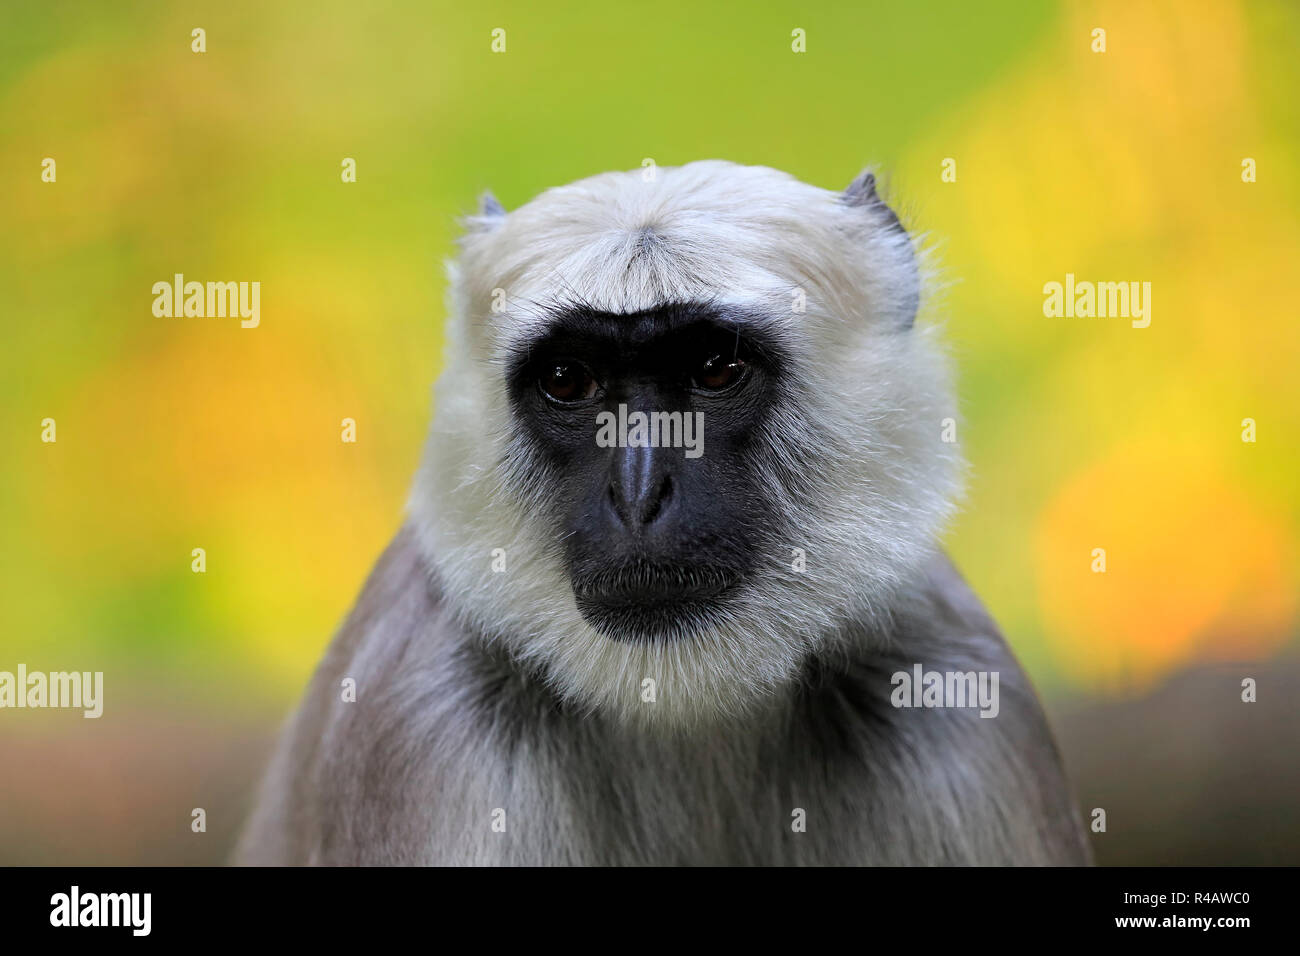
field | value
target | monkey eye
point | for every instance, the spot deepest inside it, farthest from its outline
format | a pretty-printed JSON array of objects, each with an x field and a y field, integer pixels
[
  {"x": 567, "y": 382},
  {"x": 719, "y": 372}
]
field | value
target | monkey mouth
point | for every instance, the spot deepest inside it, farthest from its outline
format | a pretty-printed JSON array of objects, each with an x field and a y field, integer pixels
[{"x": 653, "y": 601}]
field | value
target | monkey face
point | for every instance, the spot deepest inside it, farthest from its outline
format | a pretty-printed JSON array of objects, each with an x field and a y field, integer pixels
[
  {"x": 774, "y": 320},
  {"x": 650, "y": 429}
]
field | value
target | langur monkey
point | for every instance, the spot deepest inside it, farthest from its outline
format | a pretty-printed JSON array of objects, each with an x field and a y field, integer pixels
[{"x": 585, "y": 651}]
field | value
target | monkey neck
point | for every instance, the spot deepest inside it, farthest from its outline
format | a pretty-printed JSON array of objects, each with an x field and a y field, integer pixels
[{"x": 828, "y": 686}]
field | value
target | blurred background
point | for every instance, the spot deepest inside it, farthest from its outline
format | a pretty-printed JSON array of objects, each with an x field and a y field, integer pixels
[{"x": 175, "y": 434}]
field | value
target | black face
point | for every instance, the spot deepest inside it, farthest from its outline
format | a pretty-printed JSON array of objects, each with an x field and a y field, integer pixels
[{"x": 657, "y": 539}]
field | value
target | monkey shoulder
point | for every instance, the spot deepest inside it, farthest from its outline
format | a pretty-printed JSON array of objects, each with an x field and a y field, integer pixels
[
  {"x": 936, "y": 721},
  {"x": 355, "y": 752}
]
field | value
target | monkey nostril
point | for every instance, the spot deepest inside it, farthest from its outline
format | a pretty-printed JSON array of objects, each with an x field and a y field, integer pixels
[
  {"x": 655, "y": 503},
  {"x": 615, "y": 504}
]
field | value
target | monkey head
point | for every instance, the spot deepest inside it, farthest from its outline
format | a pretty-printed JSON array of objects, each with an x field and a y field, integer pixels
[{"x": 686, "y": 434}]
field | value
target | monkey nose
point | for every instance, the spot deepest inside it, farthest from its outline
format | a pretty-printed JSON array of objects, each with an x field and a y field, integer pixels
[{"x": 640, "y": 487}]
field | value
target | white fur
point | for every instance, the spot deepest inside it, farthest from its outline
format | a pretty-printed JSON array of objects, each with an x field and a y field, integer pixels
[{"x": 860, "y": 435}]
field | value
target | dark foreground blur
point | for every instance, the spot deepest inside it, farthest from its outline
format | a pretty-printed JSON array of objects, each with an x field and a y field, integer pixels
[{"x": 1187, "y": 775}]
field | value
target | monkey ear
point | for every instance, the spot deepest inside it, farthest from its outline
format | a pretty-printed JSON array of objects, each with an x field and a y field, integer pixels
[
  {"x": 490, "y": 215},
  {"x": 490, "y": 207},
  {"x": 862, "y": 192}
]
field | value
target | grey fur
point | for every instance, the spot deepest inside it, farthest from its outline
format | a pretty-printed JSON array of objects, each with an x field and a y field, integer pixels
[{"x": 445, "y": 731}]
